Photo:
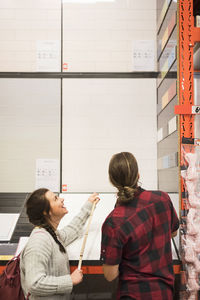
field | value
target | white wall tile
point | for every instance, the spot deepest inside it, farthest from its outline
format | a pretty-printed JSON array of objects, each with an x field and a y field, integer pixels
[
  {"x": 8, "y": 4},
  {"x": 102, "y": 117},
  {"x": 53, "y": 35},
  {"x": 120, "y": 56},
  {"x": 25, "y": 22},
  {"x": 82, "y": 45},
  {"x": 141, "y": 26},
  {"x": 107, "y": 27},
  {"x": 7, "y": 35},
  {"x": 30, "y": 4},
  {"x": 7, "y": 14},
  {"x": 111, "y": 25},
  {"x": 112, "y": 45},
  {"x": 109, "y": 66},
  {"x": 9, "y": 66},
  {"x": 18, "y": 46},
  {"x": 54, "y": 14},
  {"x": 134, "y": 14},
  {"x": 33, "y": 14},
  {"x": 144, "y": 4},
  {"x": 29, "y": 129}
]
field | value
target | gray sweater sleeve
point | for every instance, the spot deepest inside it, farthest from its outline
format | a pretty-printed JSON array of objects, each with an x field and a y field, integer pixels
[
  {"x": 36, "y": 258},
  {"x": 70, "y": 232}
]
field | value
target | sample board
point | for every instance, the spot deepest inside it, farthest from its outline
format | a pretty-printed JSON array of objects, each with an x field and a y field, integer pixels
[
  {"x": 102, "y": 117},
  {"x": 7, "y": 226},
  {"x": 73, "y": 203},
  {"x": 29, "y": 130}
]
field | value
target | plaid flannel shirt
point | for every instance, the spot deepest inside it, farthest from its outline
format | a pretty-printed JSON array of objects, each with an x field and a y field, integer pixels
[{"x": 137, "y": 236}]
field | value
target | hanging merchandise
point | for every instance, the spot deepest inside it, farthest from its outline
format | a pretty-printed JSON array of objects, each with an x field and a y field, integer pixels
[
  {"x": 190, "y": 238},
  {"x": 189, "y": 149}
]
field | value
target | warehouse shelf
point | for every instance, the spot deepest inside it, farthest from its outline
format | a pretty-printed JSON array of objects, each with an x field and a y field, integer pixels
[
  {"x": 167, "y": 139},
  {"x": 166, "y": 35},
  {"x": 188, "y": 56},
  {"x": 167, "y": 97},
  {"x": 163, "y": 13}
]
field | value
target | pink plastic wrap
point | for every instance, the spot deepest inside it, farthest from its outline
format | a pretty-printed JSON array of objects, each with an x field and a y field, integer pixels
[{"x": 191, "y": 239}]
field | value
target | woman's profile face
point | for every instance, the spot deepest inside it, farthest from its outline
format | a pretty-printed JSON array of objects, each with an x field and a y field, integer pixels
[{"x": 57, "y": 208}]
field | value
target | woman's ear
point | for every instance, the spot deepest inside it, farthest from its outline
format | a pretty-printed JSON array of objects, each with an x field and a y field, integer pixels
[{"x": 47, "y": 215}]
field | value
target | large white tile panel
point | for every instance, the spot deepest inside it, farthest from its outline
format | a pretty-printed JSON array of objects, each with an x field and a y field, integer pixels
[
  {"x": 30, "y": 4},
  {"x": 144, "y": 4},
  {"x": 6, "y": 14},
  {"x": 7, "y": 226},
  {"x": 113, "y": 26},
  {"x": 102, "y": 117},
  {"x": 26, "y": 22},
  {"x": 29, "y": 129}
]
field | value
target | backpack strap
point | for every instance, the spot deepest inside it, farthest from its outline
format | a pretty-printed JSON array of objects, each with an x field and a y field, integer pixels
[{"x": 17, "y": 257}]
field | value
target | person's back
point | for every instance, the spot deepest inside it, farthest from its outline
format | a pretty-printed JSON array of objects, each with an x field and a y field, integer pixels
[
  {"x": 136, "y": 237},
  {"x": 144, "y": 228}
]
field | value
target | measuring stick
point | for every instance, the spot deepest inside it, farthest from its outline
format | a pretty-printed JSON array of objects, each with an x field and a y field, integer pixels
[{"x": 85, "y": 236}]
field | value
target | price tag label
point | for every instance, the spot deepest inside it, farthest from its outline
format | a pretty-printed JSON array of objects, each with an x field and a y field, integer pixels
[
  {"x": 64, "y": 188},
  {"x": 195, "y": 109}
]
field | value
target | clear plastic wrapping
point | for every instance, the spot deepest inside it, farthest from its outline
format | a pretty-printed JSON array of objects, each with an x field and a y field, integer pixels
[{"x": 190, "y": 237}]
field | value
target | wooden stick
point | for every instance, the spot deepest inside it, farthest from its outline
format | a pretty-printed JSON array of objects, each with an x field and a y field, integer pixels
[{"x": 85, "y": 236}]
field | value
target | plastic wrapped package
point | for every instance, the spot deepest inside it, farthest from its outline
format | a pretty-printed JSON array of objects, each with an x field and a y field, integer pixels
[{"x": 191, "y": 238}]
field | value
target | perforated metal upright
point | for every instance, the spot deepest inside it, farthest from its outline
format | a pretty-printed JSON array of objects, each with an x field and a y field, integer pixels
[{"x": 188, "y": 34}]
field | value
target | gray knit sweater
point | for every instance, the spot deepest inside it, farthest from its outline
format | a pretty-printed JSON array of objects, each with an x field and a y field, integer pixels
[{"x": 45, "y": 271}]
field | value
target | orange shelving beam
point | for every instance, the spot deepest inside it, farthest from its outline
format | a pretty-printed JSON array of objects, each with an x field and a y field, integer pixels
[{"x": 188, "y": 35}]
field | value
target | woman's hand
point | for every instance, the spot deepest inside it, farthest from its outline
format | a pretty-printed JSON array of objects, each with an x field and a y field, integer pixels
[
  {"x": 77, "y": 276},
  {"x": 94, "y": 198}
]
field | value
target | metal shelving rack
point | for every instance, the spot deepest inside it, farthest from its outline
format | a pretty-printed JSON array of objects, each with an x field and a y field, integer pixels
[
  {"x": 187, "y": 111},
  {"x": 167, "y": 143}
]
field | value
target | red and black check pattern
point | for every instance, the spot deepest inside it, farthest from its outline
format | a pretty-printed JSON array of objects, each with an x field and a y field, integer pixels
[{"x": 137, "y": 236}]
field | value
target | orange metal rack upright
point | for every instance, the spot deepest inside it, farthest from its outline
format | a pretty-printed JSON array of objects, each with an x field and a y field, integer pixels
[{"x": 188, "y": 35}]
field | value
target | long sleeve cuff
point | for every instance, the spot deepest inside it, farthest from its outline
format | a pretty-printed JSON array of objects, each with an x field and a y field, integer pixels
[{"x": 65, "y": 285}]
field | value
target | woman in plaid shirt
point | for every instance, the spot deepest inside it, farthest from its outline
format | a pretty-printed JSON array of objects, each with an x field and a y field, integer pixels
[{"x": 136, "y": 236}]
